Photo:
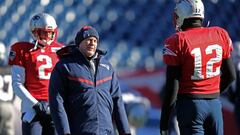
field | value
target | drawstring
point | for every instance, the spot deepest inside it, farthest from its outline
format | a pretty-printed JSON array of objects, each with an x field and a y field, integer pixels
[{"x": 208, "y": 23}]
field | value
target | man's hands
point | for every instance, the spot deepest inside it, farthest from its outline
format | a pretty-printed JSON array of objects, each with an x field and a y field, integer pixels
[{"x": 42, "y": 108}]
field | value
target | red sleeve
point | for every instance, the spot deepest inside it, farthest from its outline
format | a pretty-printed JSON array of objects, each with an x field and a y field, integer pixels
[
  {"x": 171, "y": 51},
  {"x": 228, "y": 47},
  {"x": 15, "y": 55}
]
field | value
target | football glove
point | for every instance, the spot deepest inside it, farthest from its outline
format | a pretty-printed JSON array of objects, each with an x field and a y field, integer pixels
[{"x": 42, "y": 108}]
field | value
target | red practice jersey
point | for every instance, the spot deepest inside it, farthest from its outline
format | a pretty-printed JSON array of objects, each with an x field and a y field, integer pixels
[
  {"x": 38, "y": 65},
  {"x": 199, "y": 53}
]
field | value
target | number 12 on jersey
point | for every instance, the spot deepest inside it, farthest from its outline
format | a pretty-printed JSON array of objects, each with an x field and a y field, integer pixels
[{"x": 198, "y": 62}]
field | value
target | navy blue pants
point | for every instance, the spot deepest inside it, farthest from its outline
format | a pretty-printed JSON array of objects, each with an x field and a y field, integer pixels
[
  {"x": 41, "y": 125},
  {"x": 199, "y": 116}
]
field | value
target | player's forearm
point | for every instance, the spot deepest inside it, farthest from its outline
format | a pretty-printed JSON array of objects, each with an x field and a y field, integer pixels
[
  {"x": 165, "y": 116},
  {"x": 228, "y": 74},
  {"x": 23, "y": 94},
  {"x": 172, "y": 86},
  {"x": 171, "y": 90},
  {"x": 18, "y": 74},
  {"x": 168, "y": 103}
]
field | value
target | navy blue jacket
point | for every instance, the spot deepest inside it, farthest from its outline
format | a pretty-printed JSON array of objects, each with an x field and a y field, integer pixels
[{"x": 82, "y": 103}]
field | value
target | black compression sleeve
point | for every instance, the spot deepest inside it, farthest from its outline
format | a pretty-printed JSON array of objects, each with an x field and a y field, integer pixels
[
  {"x": 228, "y": 74},
  {"x": 171, "y": 90}
]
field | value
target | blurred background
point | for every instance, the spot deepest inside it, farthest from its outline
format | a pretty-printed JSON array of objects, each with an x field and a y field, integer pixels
[{"x": 132, "y": 31}]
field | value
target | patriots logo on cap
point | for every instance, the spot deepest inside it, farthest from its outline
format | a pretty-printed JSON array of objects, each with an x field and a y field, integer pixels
[
  {"x": 36, "y": 17},
  {"x": 86, "y": 34}
]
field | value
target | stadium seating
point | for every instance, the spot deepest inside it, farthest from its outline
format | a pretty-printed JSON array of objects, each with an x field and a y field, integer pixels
[{"x": 132, "y": 31}]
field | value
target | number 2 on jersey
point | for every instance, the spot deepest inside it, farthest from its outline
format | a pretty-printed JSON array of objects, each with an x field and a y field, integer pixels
[
  {"x": 198, "y": 63},
  {"x": 41, "y": 69}
]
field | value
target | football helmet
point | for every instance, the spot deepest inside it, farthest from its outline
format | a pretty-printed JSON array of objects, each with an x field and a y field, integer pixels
[
  {"x": 43, "y": 28},
  {"x": 185, "y": 9}
]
